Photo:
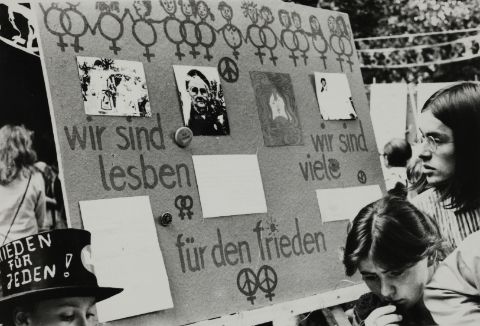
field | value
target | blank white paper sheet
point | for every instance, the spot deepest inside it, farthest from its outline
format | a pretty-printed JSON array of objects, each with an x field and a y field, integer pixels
[
  {"x": 229, "y": 185},
  {"x": 344, "y": 203},
  {"x": 388, "y": 110},
  {"x": 126, "y": 254}
]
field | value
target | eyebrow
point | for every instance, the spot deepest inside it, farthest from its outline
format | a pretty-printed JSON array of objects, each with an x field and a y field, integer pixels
[
  {"x": 436, "y": 134},
  {"x": 384, "y": 271},
  {"x": 68, "y": 304},
  {"x": 433, "y": 133},
  {"x": 73, "y": 304},
  {"x": 367, "y": 273}
]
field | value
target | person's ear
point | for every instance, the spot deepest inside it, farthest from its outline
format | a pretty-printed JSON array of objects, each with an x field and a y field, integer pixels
[
  {"x": 385, "y": 159},
  {"x": 432, "y": 259},
  {"x": 21, "y": 317}
]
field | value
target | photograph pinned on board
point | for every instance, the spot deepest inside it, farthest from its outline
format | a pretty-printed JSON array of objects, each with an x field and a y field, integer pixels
[
  {"x": 334, "y": 96},
  {"x": 17, "y": 27},
  {"x": 203, "y": 104},
  {"x": 113, "y": 87},
  {"x": 277, "y": 110}
]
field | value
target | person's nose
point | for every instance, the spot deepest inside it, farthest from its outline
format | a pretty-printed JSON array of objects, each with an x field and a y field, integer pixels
[
  {"x": 425, "y": 152},
  {"x": 387, "y": 289},
  {"x": 85, "y": 322}
]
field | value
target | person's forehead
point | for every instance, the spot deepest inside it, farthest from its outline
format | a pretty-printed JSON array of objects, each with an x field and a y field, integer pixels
[
  {"x": 368, "y": 265},
  {"x": 68, "y": 302},
  {"x": 275, "y": 97},
  {"x": 428, "y": 123},
  {"x": 197, "y": 81}
]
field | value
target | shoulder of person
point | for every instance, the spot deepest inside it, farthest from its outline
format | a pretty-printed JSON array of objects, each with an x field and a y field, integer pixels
[
  {"x": 463, "y": 264},
  {"x": 470, "y": 247},
  {"x": 37, "y": 178},
  {"x": 425, "y": 197},
  {"x": 453, "y": 293}
]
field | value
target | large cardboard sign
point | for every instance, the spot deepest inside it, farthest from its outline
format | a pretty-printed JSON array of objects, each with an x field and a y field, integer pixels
[{"x": 218, "y": 265}]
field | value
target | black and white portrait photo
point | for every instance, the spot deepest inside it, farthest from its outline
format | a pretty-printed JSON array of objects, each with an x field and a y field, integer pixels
[
  {"x": 276, "y": 108},
  {"x": 323, "y": 85},
  {"x": 203, "y": 104},
  {"x": 334, "y": 96},
  {"x": 113, "y": 87}
]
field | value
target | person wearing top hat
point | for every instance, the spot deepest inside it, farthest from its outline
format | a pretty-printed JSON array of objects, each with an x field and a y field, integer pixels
[{"x": 47, "y": 279}]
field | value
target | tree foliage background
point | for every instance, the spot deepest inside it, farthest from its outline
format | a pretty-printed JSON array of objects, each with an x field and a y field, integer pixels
[{"x": 370, "y": 18}]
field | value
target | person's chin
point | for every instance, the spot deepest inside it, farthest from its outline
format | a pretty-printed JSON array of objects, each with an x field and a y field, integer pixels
[
  {"x": 402, "y": 305},
  {"x": 434, "y": 180},
  {"x": 201, "y": 109}
]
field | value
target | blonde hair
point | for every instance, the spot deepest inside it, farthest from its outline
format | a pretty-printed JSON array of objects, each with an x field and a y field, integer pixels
[{"x": 16, "y": 153}]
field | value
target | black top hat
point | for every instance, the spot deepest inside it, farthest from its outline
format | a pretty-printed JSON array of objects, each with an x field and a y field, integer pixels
[{"x": 49, "y": 265}]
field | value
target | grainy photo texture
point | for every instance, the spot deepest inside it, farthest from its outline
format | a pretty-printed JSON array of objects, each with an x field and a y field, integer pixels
[
  {"x": 113, "y": 87},
  {"x": 334, "y": 96},
  {"x": 276, "y": 108},
  {"x": 203, "y": 104}
]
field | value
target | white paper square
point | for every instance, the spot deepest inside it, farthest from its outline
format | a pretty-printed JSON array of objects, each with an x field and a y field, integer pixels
[
  {"x": 126, "y": 254},
  {"x": 344, "y": 203},
  {"x": 229, "y": 185}
]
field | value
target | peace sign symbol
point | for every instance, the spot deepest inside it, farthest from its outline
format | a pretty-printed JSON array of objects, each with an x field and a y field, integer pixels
[
  {"x": 247, "y": 283},
  {"x": 228, "y": 69},
  {"x": 267, "y": 280},
  {"x": 361, "y": 176}
]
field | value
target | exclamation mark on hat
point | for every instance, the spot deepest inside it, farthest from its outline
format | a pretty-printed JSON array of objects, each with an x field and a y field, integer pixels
[{"x": 68, "y": 260}]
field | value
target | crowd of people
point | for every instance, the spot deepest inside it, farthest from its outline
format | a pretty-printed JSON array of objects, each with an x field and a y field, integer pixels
[
  {"x": 418, "y": 248},
  {"x": 31, "y": 202}
]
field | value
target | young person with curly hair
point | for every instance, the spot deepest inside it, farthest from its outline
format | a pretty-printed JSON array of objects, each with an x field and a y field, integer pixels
[{"x": 22, "y": 189}]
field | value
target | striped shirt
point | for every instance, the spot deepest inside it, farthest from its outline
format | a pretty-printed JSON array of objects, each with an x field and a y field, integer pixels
[{"x": 454, "y": 226}]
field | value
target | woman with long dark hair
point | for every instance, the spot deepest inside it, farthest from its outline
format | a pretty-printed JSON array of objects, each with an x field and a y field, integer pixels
[
  {"x": 22, "y": 189},
  {"x": 449, "y": 125}
]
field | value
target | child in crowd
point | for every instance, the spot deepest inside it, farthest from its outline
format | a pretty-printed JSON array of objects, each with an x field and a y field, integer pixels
[{"x": 55, "y": 297}]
